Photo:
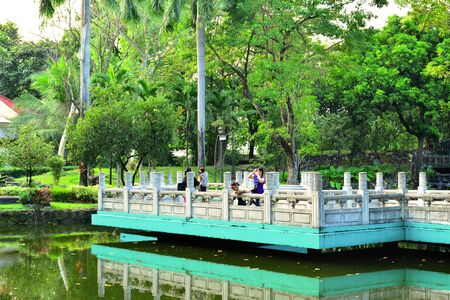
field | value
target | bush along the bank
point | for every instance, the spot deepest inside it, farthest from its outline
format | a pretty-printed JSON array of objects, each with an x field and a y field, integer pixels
[
  {"x": 19, "y": 172},
  {"x": 74, "y": 194}
]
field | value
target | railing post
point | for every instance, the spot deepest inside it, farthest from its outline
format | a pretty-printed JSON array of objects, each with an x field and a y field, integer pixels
[
  {"x": 422, "y": 188},
  {"x": 239, "y": 177},
  {"x": 126, "y": 192},
  {"x": 401, "y": 181},
  {"x": 169, "y": 178},
  {"x": 379, "y": 187},
  {"x": 100, "y": 278},
  {"x": 272, "y": 184},
  {"x": 245, "y": 180},
  {"x": 227, "y": 181},
  {"x": 118, "y": 172},
  {"x": 309, "y": 181},
  {"x": 179, "y": 177},
  {"x": 155, "y": 185},
  {"x": 155, "y": 283},
  {"x": 317, "y": 210},
  {"x": 303, "y": 178},
  {"x": 189, "y": 188},
  {"x": 142, "y": 179},
  {"x": 101, "y": 189},
  {"x": 347, "y": 187},
  {"x": 362, "y": 190},
  {"x": 225, "y": 205}
]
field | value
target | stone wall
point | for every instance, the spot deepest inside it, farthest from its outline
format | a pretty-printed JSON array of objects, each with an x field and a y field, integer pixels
[
  {"x": 395, "y": 158},
  {"x": 47, "y": 216}
]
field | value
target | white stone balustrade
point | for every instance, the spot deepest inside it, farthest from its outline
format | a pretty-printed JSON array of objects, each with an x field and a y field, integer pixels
[{"x": 312, "y": 207}]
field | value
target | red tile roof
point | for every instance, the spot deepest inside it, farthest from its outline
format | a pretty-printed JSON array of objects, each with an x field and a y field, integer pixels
[{"x": 7, "y": 101}]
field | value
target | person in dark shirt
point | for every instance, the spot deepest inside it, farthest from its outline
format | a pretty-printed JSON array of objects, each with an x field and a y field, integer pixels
[{"x": 183, "y": 185}]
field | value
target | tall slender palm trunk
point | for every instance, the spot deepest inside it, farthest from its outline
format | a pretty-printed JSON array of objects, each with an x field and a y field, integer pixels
[
  {"x": 85, "y": 67},
  {"x": 201, "y": 90}
]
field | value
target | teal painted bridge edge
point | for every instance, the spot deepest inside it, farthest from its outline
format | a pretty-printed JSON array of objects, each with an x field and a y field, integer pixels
[
  {"x": 293, "y": 283},
  {"x": 246, "y": 276},
  {"x": 427, "y": 233},
  {"x": 256, "y": 233},
  {"x": 294, "y": 236}
]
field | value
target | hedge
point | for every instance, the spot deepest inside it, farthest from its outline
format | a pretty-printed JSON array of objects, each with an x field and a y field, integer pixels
[
  {"x": 74, "y": 194},
  {"x": 18, "y": 172}
]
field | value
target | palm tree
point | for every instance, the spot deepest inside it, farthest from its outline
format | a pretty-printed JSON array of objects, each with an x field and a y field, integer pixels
[
  {"x": 203, "y": 11},
  {"x": 47, "y": 9}
]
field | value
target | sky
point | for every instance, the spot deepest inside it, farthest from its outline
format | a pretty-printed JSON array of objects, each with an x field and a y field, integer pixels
[{"x": 25, "y": 14}]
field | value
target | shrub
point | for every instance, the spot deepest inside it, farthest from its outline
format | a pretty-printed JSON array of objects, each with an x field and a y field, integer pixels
[
  {"x": 75, "y": 194},
  {"x": 56, "y": 164},
  {"x": 61, "y": 194},
  {"x": 41, "y": 197},
  {"x": 18, "y": 172}
]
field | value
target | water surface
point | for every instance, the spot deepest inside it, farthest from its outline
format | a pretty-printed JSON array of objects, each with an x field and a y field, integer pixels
[{"x": 85, "y": 262}]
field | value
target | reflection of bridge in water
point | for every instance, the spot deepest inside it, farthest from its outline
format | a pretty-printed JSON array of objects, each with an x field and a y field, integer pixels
[
  {"x": 187, "y": 278},
  {"x": 300, "y": 216}
]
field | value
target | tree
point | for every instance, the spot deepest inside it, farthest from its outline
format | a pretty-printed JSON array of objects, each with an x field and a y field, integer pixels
[
  {"x": 271, "y": 47},
  {"x": 28, "y": 151},
  {"x": 47, "y": 9},
  {"x": 19, "y": 60},
  {"x": 55, "y": 106},
  {"x": 397, "y": 68},
  {"x": 117, "y": 128},
  {"x": 202, "y": 12}
]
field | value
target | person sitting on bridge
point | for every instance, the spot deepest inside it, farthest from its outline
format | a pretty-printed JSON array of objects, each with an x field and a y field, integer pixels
[
  {"x": 258, "y": 179},
  {"x": 237, "y": 193},
  {"x": 203, "y": 179},
  {"x": 183, "y": 185}
]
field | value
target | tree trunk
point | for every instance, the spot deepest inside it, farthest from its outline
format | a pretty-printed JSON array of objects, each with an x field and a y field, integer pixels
[
  {"x": 292, "y": 165},
  {"x": 63, "y": 140},
  {"x": 418, "y": 163},
  {"x": 201, "y": 90},
  {"x": 85, "y": 66}
]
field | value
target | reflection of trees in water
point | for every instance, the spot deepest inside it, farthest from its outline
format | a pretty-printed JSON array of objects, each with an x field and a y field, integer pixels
[{"x": 51, "y": 266}]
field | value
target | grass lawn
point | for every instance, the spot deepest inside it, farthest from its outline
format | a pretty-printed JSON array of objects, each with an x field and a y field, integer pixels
[
  {"x": 54, "y": 205},
  {"x": 15, "y": 206},
  {"x": 60, "y": 205}
]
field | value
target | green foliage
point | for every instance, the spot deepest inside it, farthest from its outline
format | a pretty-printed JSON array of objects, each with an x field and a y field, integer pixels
[
  {"x": 29, "y": 151},
  {"x": 56, "y": 164},
  {"x": 335, "y": 175},
  {"x": 116, "y": 128},
  {"x": 19, "y": 172},
  {"x": 74, "y": 194},
  {"x": 19, "y": 60},
  {"x": 41, "y": 197}
]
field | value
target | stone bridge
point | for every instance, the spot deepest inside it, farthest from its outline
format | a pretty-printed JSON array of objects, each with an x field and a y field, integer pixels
[{"x": 304, "y": 215}]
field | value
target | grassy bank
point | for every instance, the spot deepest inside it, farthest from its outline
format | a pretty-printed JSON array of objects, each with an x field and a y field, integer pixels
[{"x": 53, "y": 205}]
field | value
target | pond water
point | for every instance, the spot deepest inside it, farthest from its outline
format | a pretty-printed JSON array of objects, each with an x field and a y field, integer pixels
[{"x": 84, "y": 262}]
